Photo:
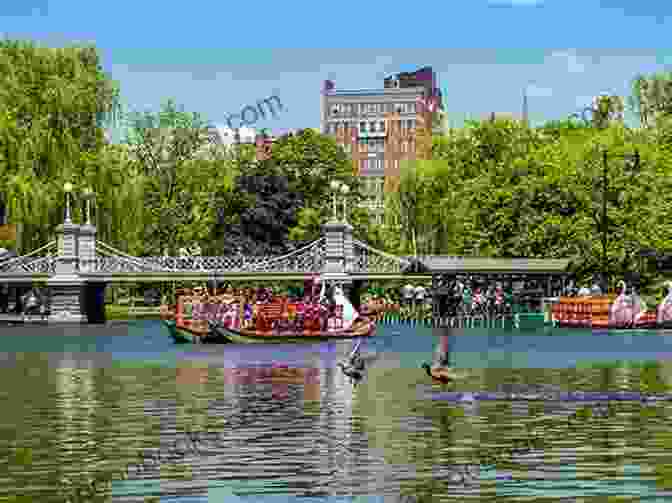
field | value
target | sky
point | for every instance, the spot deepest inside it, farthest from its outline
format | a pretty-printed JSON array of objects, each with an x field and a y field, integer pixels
[{"x": 215, "y": 57}]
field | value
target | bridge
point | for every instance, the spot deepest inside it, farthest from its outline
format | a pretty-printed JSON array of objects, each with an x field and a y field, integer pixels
[{"x": 77, "y": 267}]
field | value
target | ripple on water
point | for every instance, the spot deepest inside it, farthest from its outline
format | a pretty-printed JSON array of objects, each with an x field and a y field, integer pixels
[{"x": 210, "y": 428}]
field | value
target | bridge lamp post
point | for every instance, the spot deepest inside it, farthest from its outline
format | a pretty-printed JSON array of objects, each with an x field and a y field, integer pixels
[
  {"x": 67, "y": 187},
  {"x": 344, "y": 190},
  {"x": 88, "y": 195},
  {"x": 335, "y": 185}
]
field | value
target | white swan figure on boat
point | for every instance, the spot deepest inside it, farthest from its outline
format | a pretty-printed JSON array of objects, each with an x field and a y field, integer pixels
[
  {"x": 350, "y": 314},
  {"x": 625, "y": 308},
  {"x": 665, "y": 307}
]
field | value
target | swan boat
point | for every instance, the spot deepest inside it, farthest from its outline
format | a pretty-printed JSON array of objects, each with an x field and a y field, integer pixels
[
  {"x": 229, "y": 319},
  {"x": 620, "y": 311},
  {"x": 282, "y": 322}
]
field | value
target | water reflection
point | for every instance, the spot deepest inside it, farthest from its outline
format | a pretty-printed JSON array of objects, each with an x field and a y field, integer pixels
[{"x": 284, "y": 420}]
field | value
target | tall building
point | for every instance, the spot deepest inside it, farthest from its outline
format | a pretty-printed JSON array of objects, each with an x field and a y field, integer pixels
[{"x": 381, "y": 127}]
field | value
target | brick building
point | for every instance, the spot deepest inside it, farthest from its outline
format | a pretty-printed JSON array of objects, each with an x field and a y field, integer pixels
[{"x": 380, "y": 128}]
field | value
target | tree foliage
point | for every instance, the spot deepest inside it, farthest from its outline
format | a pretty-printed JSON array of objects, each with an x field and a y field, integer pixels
[
  {"x": 493, "y": 188},
  {"x": 174, "y": 151},
  {"x": 500, "y": 189},
  {"x": 53, "y": 106},
  {"x": 651, "y": 97}
]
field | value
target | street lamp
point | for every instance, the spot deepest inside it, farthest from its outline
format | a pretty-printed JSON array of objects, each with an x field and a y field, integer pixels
[
  {"x": 344, "y": 190},
  {"x": 633, "y": 161},
  {"x": 67, "y": 187},
  {"x": 88, "y": 196},
  {"x": 335, "y": 185}
]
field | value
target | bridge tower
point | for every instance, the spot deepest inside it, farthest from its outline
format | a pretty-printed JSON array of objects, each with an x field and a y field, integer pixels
[
  {"x": 339, "y": 259},
  {"x": 73, "y": 299}
]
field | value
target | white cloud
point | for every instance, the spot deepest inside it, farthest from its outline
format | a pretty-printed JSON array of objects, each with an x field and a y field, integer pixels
[
  {"x": 574, "y": 65},
  {"x": 534, "y": 91}
]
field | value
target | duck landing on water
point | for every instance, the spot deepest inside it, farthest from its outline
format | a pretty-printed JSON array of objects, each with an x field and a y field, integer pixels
[{"x": 441, "y": 374}]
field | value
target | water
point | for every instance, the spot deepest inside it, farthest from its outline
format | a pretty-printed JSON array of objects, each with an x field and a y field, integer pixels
[{"x": 120, "y": 413}]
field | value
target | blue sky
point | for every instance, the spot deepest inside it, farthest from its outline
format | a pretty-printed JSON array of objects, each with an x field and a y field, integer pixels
[{"x": 216, "y": 57}]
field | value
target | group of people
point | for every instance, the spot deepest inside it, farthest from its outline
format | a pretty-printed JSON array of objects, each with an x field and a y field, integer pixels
[
  {"x": 414, "y": 296},
  {"x": 318, "y": 307}
]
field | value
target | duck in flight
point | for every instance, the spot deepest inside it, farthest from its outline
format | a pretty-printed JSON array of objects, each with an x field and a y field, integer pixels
[{"x": 355, "y": 365}]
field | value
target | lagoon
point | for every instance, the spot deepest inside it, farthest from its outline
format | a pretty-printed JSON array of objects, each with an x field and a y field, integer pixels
[{"x": 120, "y": 413}]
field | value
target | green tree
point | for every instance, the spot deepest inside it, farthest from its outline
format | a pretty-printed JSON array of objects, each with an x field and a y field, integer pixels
[
  {"x": 54, "y": 104},
  {"x": 496, "y": 189},
  {"x": 651, "y": 97},
  {"x": 308, "y": 160},
  {"x": 185, "y": 171}
]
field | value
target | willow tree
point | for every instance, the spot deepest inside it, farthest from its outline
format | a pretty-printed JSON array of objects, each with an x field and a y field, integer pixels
[{"x": 54, "y": 104}]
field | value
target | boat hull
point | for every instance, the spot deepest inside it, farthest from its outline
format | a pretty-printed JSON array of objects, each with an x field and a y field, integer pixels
[
  {"x": 241, "y": 337},
  {"x": 180, "y": 334},
  {"x": 667, "y": 325},
  {"x": 183, "y": 335}
]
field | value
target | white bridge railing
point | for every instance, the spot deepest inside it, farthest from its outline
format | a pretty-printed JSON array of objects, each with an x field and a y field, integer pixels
[
  {"x": 309, "y": 258},
  {"x": 40, "y": 261},
  {"x": 368, "y": 259}
]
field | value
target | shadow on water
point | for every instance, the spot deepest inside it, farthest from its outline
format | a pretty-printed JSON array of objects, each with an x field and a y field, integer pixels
[{"x": 120, "y": 412}]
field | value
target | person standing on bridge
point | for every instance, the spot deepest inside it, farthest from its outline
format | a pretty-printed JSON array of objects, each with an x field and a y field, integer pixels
[
  {"x": 407, "y": 293},
  {"x": 420, "y": 294}
]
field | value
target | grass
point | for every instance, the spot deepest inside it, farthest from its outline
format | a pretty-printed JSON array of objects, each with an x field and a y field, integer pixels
[{"x": 116, "y": 312}]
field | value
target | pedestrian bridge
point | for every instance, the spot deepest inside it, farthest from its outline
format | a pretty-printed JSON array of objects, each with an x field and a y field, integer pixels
[
  {"x": 94, "y": 260},
  {"x": 78, "y": 267}
]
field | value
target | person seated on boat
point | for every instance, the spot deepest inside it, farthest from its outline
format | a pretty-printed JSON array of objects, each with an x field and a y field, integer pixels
[
  {"x": 262, "y": 297},
  {"x": 584, "y": 291},
  {"x": 247, "y": 317},
  {"x": 339, "y": 317},
  {"x": 331, "y": 318},
  {"x": 283, "y": 325},
  {"x": 595, "y": 290}
]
